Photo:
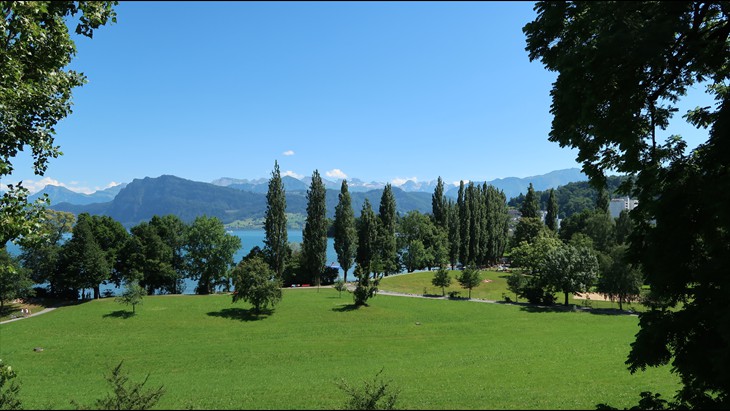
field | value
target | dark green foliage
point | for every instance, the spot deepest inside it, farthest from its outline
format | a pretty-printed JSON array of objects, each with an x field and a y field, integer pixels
[
  {"x": 469, "y": 278},
  {"x": 209, "y": 254},
  {"x": 620, "y": 281},
  {"x": 622, "y": 69},
  {"x": 530, "y": 206},
  {"x": 15, "y": 281},
  {"x": 366, "y": 287},
  {"x": 373, "y": 395},
  {"x": 421, "y": 243},
  {"x": 314, "y": 236},
  {"x": 551, "y": 217},
  {"x": 517, "y": 282},
  {"x": 256, "y": 283},
  {"x": 345, "y": 232},
  {"x": 454, "y": 239},
  {"x": 340, "y": 285},
  {"x": 387, "y": 246},
  {"x": 464, "y": 224},
  {"x": 441, "y": 279},
  {"x": 623, "y": 227},
  {"x": 35, "y": 92},
  {"x": 367, "y": 234},
  {"x": 569, "y": 269},
  {"x": 9, "y": 389},
  {"x": 84, "y": 263},
  {"x": 126, "y": 395},
  {"x": 438, "y": 205},
  {"x": 528, "y": 229},
  {"x": 132, "y": 295},
  {"x": 276, "y": 241}
]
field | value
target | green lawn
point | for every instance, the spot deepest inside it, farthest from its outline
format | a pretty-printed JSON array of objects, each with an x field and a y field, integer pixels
[
  {"x": 212, "y": 354},
  {"x": 420, "y": 283}
]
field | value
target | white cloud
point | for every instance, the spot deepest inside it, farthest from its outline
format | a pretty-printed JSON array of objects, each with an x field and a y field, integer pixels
[
  {"x": 400, "y": 181},
  {"x": 288, "y": 153},
  {"x": 458, "y": 183},
  {"x": 336, "y": 173},
  {"x": 292, "y": 174}
]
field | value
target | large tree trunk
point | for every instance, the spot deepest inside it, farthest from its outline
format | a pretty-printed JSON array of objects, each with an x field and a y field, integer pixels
[{"x": 566, "y": 298}]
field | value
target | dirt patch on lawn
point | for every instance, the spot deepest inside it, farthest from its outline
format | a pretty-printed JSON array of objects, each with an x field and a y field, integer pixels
[{"x": 590, "y": 296}]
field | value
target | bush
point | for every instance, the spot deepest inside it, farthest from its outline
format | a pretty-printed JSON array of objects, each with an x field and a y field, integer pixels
[
  {"x": 375, "y": 395},
  {"x": 126, "y": 396}
]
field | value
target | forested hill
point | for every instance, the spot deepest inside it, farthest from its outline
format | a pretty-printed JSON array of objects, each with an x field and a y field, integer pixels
[
  {"x": 143, "y": 198},
  {"x": 573, "y": 197}
]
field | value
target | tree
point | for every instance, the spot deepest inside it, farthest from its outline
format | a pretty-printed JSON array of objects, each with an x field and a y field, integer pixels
[
  {"x": 132, "y": 295},
  {"x": 84, "y": 262},
  {"x": 35, "y": 92},
  {"x": 387, "y": 246},
  {"x": 375, "y": 395},
  {"x": 622, "y": 70},
  {"x": 9, "y": 395},
  {"x": 276, "y": 242},
  {"x": 530, "y": 207},
  {"x": 454, "y": 240},
  {"x": 551, "y": 217},
  {"x": 367, "y": 232},
  {"x": 621, "y": 281},
  {"x": 314, "y": 236},
  {"x": 15, "y": 281},
  {"x": 345, "y": 231},
  {"x": 464, "y": 224},
  {"x": 41, "y": 254},
  {"x": 439, "y": 205},
  {"x": 127, "y": 395},
  {"x": 441, "y": 279},
  {"x": 469, "y": 278},
  {"x": 569, "y": 269},
  {"x": 256, "y": 283},
  {"x": 340, "y": 285},
  {"x": 209, "y": 253}
]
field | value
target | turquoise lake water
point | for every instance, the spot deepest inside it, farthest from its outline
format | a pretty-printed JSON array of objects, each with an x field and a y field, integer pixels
[{"x": 249, "y": 240}]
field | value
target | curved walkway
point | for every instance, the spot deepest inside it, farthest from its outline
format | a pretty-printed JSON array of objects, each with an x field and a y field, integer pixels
[{"x": 43, "y": 311}]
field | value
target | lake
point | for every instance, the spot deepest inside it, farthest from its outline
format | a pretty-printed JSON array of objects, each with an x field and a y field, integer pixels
[{"x": 249, "y": 240}]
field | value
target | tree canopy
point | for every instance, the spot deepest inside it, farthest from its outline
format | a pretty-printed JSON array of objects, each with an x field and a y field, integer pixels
[{"x": 623, "y": 68}]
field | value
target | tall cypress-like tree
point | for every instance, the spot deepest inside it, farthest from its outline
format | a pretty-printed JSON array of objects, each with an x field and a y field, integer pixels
[
  {"x": 276, "y": 241},
  {"x": 472, "y": 202},
  {"x": 453, "y": 232},
  {"x": 314, "y": 236},
  {"x": 438, "y": 205},
  {"x": 367, "y": 233},
  {"x": 464, "y": 223},
  {"x": 345, "y": 231},
  {"x": 387, "y": 242},
  {"x": 551, "y": 218},
  {"x": 530, "y": 207}
]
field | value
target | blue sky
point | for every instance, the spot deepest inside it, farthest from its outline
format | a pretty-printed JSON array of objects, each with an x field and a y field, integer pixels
[{"x": 381, "y": 91}]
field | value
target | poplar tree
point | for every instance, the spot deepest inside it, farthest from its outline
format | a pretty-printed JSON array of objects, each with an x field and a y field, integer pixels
[
  {"x": 438, "y": 205},
  {"x": 276, "y": 241},
  {"x": 345, "y": 231},
  {"x": 388, "y": 249},
  {"x": 530, "y": 206},
  {"x": 367, "y": 229},
  {"x": 551, "y": 218},
  {"x": 314, "y": 236},
  {"x": 464, "y": 232},
  {"x": 453, "y": 232}
]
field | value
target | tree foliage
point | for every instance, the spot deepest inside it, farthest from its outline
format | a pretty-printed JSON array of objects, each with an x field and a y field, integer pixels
[
  {"x": 276, "y": 242},
  {"x": 377, "y": 394},
  {"x": 469, "y": 278},
  {"x": 256, "y": 283},
  {"x": 622, "y": 69},
  {"x": 132, "y": 295},
  {"x": 314, "y": 236},
  {"x": 35, "y": 92},
  {"x": 441, "y": 279},
  {"x": 209, "y": 253},
  {"x": 9, "y": 388},
  {"x": 387, "y": 246},
  {"x": 345, "y": 230},
  {"x": 127, "y": 395}
]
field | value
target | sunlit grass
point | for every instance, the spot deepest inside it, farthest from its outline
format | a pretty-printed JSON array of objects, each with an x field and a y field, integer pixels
[{"x": 442, "y": 354}]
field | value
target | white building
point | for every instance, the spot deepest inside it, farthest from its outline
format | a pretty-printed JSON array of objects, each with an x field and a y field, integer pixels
[{"x": 618, "y": 204}]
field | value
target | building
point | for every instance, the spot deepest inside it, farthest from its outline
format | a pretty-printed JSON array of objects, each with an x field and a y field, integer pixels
[{"x": 618, "y": 204}]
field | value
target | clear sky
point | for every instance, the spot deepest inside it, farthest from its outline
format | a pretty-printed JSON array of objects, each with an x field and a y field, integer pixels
[{"x": 381, "y": 91}]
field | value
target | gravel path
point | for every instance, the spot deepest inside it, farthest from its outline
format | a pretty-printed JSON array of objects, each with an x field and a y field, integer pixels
[{"x": 43, "y": 311}]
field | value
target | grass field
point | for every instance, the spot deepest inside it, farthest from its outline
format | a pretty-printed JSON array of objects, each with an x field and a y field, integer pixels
[
  {"x": 420, "y": 283},
  {"x": 441, "y": 354}
]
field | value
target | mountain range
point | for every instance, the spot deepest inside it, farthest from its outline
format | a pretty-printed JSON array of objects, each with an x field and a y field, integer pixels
[{"x": 233, "y": 200}]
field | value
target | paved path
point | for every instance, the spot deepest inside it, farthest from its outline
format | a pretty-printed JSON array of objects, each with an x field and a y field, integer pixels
[{"x": 43, "y": 311}]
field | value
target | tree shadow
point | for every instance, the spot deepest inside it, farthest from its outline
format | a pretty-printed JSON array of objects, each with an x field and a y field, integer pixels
[
  {"x": 573, "y": 308},
  {"x": 241, "y": 314},
  {"x": 347, "y": 308},
  {"x": 124, "y": 314}
]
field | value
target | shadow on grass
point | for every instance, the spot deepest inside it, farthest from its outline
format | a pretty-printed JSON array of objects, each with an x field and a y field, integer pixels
[
  {"x": 241, "y": 314},
  {"x": 347, "y": 308},
  {"x": 571, "y": 308},
  {"x": 120, "y": 314}
]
